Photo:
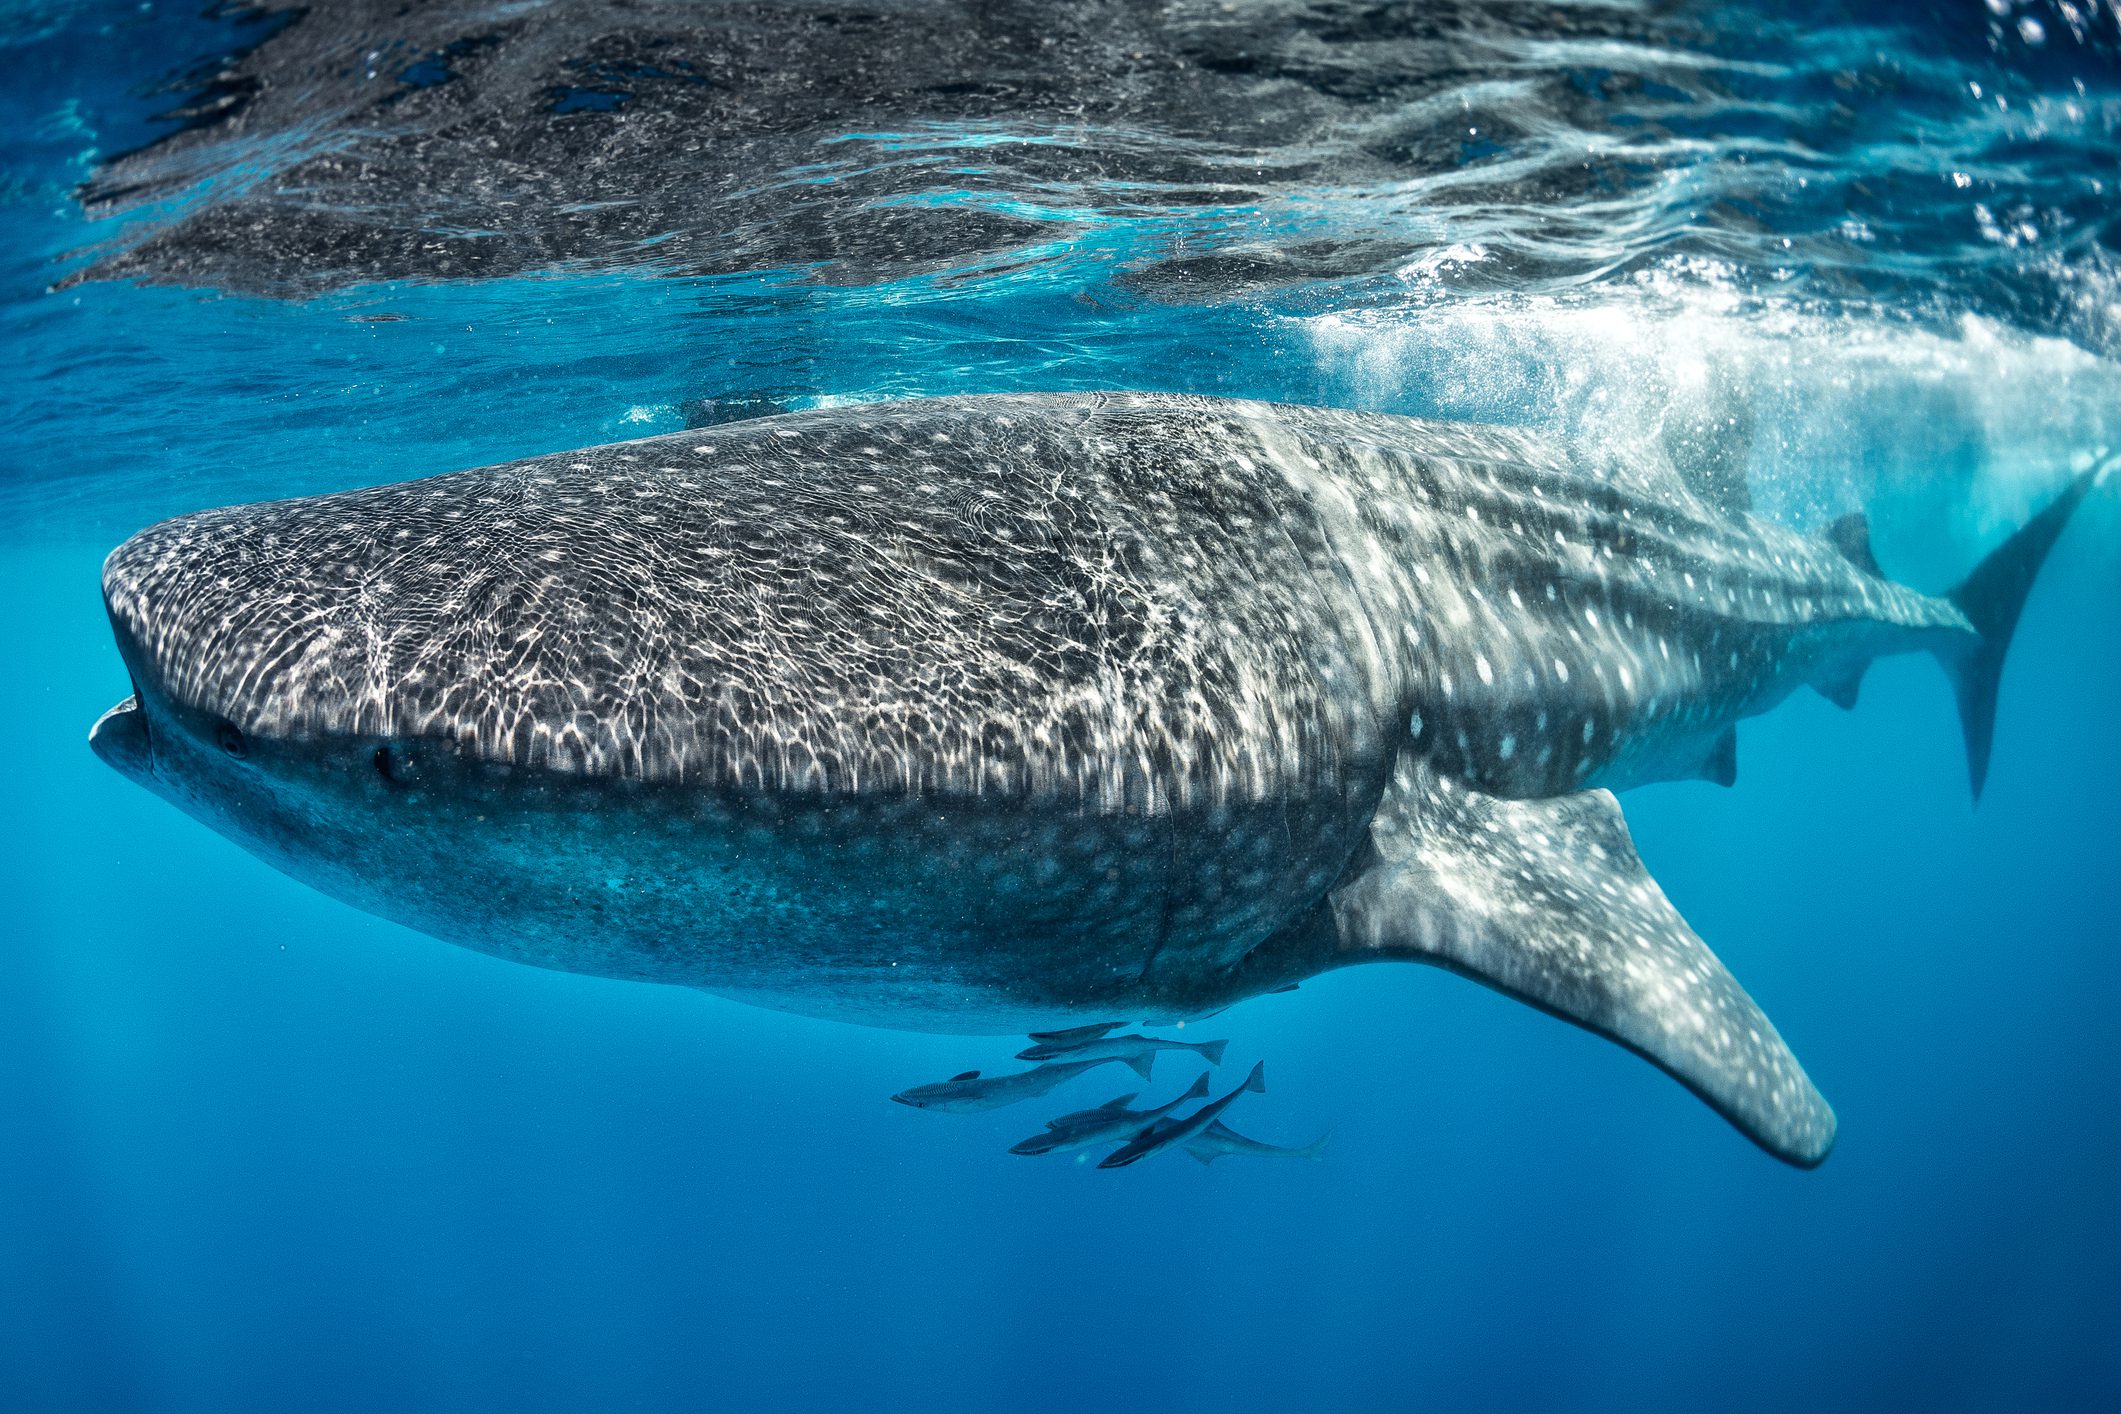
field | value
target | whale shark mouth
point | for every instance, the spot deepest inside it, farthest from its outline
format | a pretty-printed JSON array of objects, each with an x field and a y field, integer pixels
[{"x": 122, "y": 738}]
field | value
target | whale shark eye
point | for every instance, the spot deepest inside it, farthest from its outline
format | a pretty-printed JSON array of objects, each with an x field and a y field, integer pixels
[
  {"x": 396, "y": 764},
  {"x": 230, "y": 740}
]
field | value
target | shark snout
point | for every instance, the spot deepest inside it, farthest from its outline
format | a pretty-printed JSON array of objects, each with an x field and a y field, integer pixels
[
  {"x": 194, "y": 620},
  {"x": 121, "y": 738}
]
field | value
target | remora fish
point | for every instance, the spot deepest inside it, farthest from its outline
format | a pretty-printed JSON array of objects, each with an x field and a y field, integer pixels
[
  {"x": 1120, "y": 1046},
  {"x": 972, "y": 1092},
  {"x": 1001, "y": 713},
  {"x": 1219, "y": 1139},
  {"x": 1170, "y": 1133},
  {"x": 1074, "y": 1034},
  {"x": 1108, "y": 1123}
]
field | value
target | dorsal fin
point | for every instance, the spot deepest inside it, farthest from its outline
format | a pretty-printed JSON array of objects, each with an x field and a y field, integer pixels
[
  {"x": 1546, "y": 900},
  {"x": 965, "y": 1075},
  {"x": 1851, "y": 535}
]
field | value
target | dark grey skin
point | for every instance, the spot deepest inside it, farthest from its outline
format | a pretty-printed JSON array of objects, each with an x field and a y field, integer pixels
[
  {"x": 1175, "y": 1133},
  {"x": 1075, "y": 1035},
  {"x": 1008, "y": 714},
  {"x": 1219, "y": 1139},
  {"x": 973, "y": 1093},
  {"x": 1110, "y": 1123},
  {"x": 1121, "y": 1046}
]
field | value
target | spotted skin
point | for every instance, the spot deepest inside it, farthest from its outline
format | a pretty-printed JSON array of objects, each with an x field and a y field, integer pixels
[
  {"x": 1547, "y": 901},
  {"x": 970, "y": 714},
  {"x": 1123, "y": 602}
]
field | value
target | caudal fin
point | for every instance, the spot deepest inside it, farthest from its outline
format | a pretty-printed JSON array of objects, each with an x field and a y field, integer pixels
[
  {"x": 1992, "y": 598},
  {"x": 1212, "y": 1051}
]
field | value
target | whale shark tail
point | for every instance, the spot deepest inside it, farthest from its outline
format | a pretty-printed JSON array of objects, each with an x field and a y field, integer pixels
[{"x": 1992, "y": 598}]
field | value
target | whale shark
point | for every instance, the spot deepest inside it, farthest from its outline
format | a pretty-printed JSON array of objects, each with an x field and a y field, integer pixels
[{"x": 1000, "y": 714}]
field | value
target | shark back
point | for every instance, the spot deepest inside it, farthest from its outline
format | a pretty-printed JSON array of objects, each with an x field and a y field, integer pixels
[{"x": 1118, "y": 601}]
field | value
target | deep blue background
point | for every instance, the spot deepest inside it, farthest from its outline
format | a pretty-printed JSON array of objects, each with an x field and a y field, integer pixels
[{"x": 259, "y": 1152}]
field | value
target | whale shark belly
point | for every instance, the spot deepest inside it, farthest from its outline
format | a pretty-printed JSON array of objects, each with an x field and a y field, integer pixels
[{"x": 925, "y": 913}]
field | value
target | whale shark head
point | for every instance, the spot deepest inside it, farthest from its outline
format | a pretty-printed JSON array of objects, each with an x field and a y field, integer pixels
[
  {"x": 518, "y": 710},
  {"x": 227, "y": 654},
  {"x": 269, "y": 704}
]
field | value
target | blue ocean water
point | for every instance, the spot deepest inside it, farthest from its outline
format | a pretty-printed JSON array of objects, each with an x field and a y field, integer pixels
[{"x": 261, "y": 1152}]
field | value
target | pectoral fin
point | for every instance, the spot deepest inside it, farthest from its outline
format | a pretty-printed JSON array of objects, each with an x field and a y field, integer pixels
[{"x": 1547, "y": 901}]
